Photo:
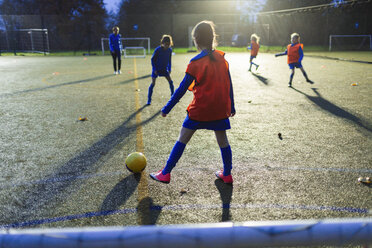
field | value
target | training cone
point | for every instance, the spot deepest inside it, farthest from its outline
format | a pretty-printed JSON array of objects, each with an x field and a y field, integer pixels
[{"x": 136, "y": 162}]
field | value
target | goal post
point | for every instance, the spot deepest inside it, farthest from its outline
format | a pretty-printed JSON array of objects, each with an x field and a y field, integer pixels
[
  {"x": 132, "y": 47},
  {"x": 31, "y": 40},
  {"x": 351, "y": 42}
]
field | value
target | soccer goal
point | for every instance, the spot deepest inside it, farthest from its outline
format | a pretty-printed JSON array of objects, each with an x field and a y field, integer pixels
[
  {"x": 30, "y": 40},
  {"x": 350, "y": 42},
  {"x": 132, "y": 47}
]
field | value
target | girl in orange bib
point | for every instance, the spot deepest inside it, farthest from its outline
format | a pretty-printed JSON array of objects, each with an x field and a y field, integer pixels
[
  {"x": 254, "y": 47},
  {"x": 208, "y": 77},
  {"x": 295, "y": 55}
]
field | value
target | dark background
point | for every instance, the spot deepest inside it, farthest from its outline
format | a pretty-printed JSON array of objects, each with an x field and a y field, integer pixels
[{"x": 77, "y": 25}]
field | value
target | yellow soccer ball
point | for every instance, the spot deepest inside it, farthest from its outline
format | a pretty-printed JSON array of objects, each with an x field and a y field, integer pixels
[{"x": 136, "y": 162}]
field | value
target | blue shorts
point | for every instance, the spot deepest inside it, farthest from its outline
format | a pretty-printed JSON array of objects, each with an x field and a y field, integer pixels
[
  {"x": 252, "y": 57},
  {"x": 293, "y": 65},
  {"x": 163, "y": 73},
  {"x": 209, "y": 125}
]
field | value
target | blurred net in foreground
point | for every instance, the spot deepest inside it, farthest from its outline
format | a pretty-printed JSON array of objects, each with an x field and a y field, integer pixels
[{"x": 341, "y": 232}]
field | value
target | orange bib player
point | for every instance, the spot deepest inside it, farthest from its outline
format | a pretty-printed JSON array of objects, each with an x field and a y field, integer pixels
[
  {"x": 254, "y": 47},
  {"x": 295, "y": 55},
  {"x": 208, "y": 77}
]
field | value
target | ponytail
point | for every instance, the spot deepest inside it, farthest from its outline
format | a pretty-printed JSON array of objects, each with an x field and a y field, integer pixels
[
  {"x": 211, "y": 56},
  {"x": 205, "y": 36}
]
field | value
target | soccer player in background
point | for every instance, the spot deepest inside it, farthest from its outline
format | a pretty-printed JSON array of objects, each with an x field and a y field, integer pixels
[
  {"x": 115, "y": 48},
  {"x": 208, "y": 77},
  {"x": 254, "y": 47},
  {"x": 295, "y": 55},
  {"x": 161, "y": 62}
]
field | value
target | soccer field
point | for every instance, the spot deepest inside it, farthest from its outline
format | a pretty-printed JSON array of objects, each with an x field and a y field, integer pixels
[{"x": 57, "y": 171}]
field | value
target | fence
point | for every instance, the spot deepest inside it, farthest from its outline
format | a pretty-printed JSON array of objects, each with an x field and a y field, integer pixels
[{"x": 84, "y": 34}]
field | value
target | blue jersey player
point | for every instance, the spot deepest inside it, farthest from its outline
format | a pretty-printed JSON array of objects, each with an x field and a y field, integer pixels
[
  {"x": 115, "y": 48},
  {"x": 161, "y": 62}
]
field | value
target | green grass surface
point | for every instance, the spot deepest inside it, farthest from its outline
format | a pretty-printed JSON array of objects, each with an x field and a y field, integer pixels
[{"x": 317, "y": 51}]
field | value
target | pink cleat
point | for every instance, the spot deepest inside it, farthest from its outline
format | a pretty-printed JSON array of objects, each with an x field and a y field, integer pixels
[
  {"x": 158, "y": 176},
  {"x": 226, "y": 179}
]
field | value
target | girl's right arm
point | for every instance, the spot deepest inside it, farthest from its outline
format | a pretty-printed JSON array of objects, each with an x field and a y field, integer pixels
[
  {"x": 232, "y": 96},
  {"x": 110, "y": 43},
  {"x": 281, "y": 54},
  {"x": 154, "y": 58},
  {"x": 178, "y": 94}
]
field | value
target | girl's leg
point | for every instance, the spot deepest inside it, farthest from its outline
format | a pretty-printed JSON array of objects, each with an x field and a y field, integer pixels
[
  {"x": 119, "y": 61},
  {"x": 113, "y": 54},
  {"x": 291, "y": 77},
  {"x": 178, "y": 148},
  {"x": 255, "y": 64},
  {"x": 250, "y": 64},
  {"x": 305, "y": 75},
  {"x": 171, "y": 86},
  {"x": 225, "y": 151},
  {"x": 151, "y": 88}
]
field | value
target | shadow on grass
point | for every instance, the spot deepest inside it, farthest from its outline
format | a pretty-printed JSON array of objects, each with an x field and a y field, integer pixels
[
  {"x": 133, "y": 79},
  {"x": 55, "y": 86},
  {"x": 226, "y": 194},
  {"x": 120, "y": 193},
  {"x": 261, "y": 78},
  {"x": 40, "y": 199},
  {"x": 146, "y": 211},
  {"x": 334, "y": 109}
]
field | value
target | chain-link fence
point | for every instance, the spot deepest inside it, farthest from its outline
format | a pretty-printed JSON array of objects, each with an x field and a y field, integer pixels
[
  {"x": 315, "y": 25},
  {"x": 84, "y": 34}
]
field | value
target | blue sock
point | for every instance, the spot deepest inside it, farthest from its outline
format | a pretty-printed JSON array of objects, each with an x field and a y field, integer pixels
[
  {"x": 174, "y": 156},
  {"x": 227, "y": 160},
  {"x": 171, "y": 86},
  {"x": 151, "y": 87}
]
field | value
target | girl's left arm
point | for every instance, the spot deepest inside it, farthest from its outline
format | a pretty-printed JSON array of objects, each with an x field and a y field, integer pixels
[
  {"x": 301, "y": 53},
  {"x": 169, "y": 67},
  {"x": 178, "y": 94},
  {"x": 119, "y": 41}
]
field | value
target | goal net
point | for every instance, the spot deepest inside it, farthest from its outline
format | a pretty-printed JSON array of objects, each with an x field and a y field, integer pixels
[
  {"x": 307, "y": 233},
  {"x": 350, "y": 42},
  {"x": 132, "y": 47},
  {"x": 28, "y": 40}
]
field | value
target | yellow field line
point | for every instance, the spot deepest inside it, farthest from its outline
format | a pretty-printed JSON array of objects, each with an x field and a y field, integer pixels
[{"x": 143, "y": 190}]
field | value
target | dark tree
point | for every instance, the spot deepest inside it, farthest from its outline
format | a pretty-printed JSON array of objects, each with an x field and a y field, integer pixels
[{"x": 73, "y": 24}]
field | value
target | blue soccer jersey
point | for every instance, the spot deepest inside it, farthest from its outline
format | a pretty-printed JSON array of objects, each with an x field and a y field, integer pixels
[
  {"x": 115, "y": 42},
  {"x": 161, "y": 59}
]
